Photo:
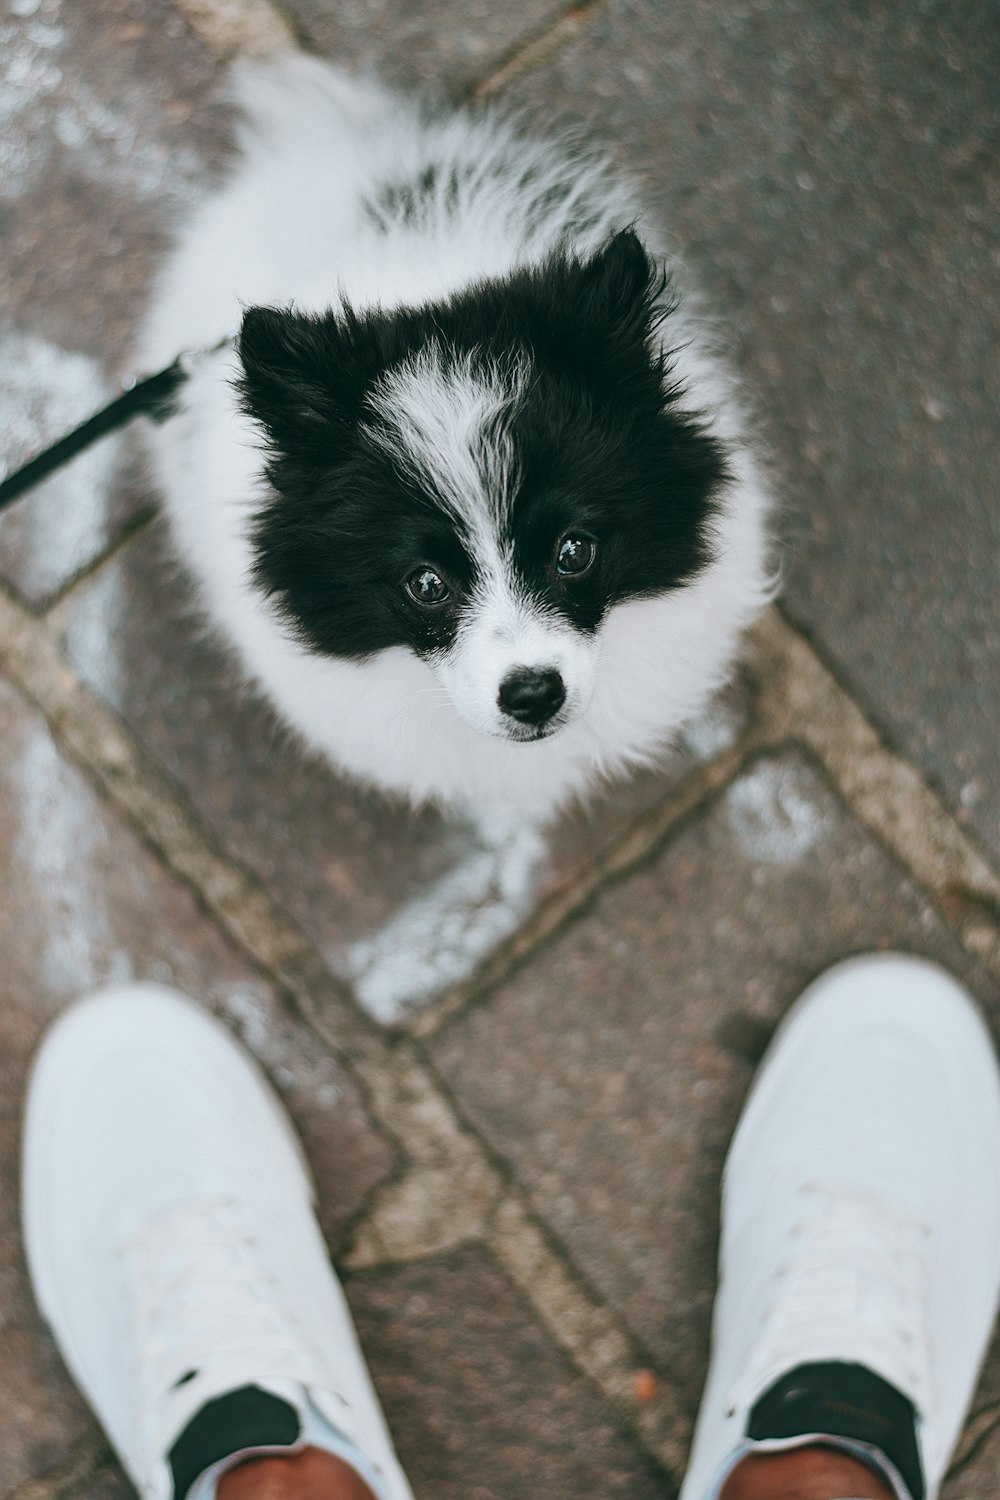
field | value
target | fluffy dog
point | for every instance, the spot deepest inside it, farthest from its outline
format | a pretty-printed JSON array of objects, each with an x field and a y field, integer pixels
[{"x": 465, "y": 488}]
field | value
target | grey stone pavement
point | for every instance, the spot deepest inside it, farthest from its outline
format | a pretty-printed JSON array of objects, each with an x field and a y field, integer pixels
[{"x": 517, "y": 1109}]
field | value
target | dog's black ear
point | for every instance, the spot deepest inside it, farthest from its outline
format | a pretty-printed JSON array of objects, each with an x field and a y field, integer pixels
[
  {"x": 596, "y": 318},
  {"x": 619, "y": 289},
  {"x": 300, "y": 376}
]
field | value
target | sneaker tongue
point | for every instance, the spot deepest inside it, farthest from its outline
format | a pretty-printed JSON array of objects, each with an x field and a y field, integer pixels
[
  {"x": 845, "y": 1401},
  {"x": 245, "y": 1418}
]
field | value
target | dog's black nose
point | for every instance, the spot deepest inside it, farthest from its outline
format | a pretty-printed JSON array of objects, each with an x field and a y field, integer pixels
[{"x": 531, "y": 697}]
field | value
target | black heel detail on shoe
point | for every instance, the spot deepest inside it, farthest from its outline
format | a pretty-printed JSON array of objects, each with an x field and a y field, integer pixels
[
  {"x": 846, "y": 1401},
  {"x": 245, "y": 1418}
]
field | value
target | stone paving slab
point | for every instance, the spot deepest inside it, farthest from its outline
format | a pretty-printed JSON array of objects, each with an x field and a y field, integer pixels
[
  {"x": 107, "y": 130},
  {"x": 829, "y": 178},
  {"x": 480, "y": 1403},
  {"x": 404, "y": 905},
  {"x": 85, "y": 903},
  {"x": 830, "y": 175},
  {"x": 610, "y": 1071}
]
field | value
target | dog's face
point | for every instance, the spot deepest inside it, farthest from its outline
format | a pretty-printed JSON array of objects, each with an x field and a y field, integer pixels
[{"x": 482, "y": 480}]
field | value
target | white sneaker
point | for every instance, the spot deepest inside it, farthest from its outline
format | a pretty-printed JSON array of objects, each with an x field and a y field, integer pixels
[
  {"x": 172, "y": 1244},
  {"x": 860, "y": 1228}
]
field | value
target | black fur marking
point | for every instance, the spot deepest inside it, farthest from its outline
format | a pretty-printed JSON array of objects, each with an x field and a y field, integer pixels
[
  {"x": 413, "y": 201},
  {"x": 602, "y": 441}
]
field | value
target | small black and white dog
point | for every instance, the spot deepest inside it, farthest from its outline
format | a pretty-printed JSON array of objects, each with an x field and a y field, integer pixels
[{"x": 468, "y": 493}]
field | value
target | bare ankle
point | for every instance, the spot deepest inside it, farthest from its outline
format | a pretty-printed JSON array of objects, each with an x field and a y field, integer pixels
[
  {"x": 311, "y": 1474},
  {"x": 813, "y": 1473}
]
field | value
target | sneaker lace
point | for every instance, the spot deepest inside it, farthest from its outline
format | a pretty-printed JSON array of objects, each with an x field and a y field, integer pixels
[
  {"x": 852, "y": 1287},
  {"x": 208, "y": 1316}
]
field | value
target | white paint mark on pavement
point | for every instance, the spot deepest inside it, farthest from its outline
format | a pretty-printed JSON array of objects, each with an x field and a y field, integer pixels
[
  {"x": 439, "y": 938},
  {"x": 57, "y": 847},
  {"x": 772, "y": 815}
]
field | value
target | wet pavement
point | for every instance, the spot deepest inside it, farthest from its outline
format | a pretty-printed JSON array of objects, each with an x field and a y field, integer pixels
[{"x": 516, "y": 1087}]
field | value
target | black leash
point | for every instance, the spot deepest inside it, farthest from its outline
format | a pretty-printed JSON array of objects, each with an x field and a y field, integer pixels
[{"x": 156, "y": 396}]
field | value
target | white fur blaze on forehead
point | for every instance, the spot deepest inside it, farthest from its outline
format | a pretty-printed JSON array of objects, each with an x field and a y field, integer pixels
[{"x": 445, "y": 420}]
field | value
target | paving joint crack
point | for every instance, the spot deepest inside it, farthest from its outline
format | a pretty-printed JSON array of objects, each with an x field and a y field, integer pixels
[
  {"x": 801, "y": 700},
  {"x": 531, "y": 52},
  {"x": 57, "y": 605},
  {"x": 978, "y": 1430},
  {"x": 589, "y": 1332},
  {"x": 262, "y": 29},
  {"x": 640, "y": 841},
  {"x": 250, "y": 28}
]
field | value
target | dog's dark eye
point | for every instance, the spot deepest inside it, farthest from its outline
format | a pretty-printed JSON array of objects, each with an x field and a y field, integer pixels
[
  {"x": 575, "y": 554},
  {"x": 426, "y": 587}
]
